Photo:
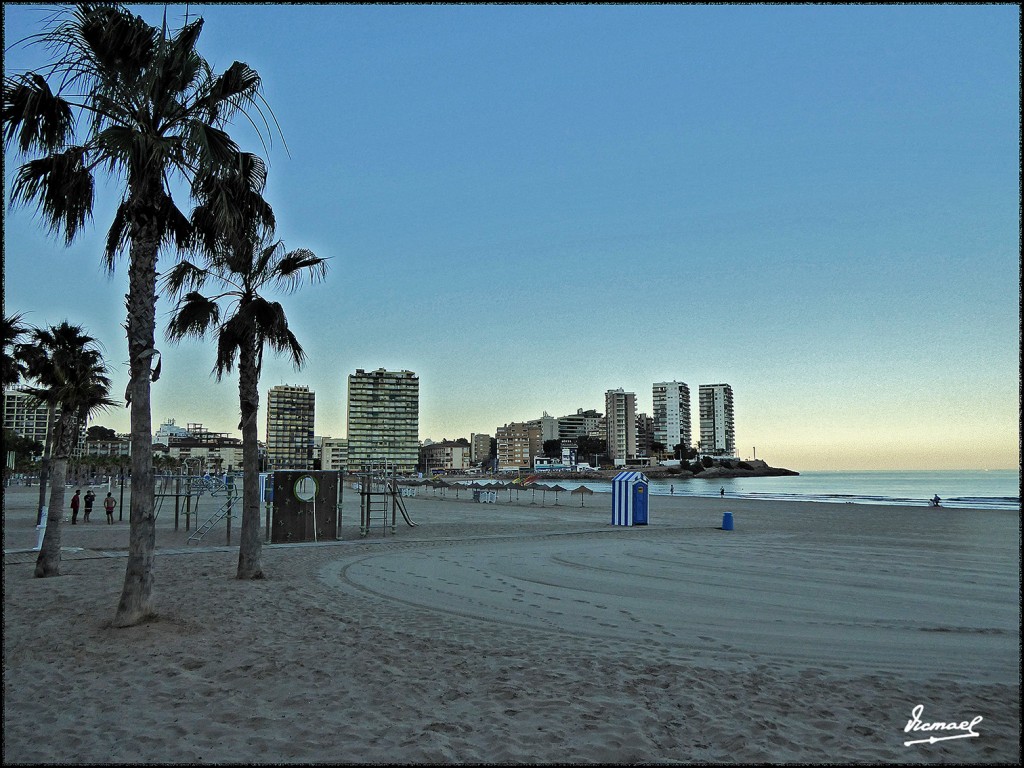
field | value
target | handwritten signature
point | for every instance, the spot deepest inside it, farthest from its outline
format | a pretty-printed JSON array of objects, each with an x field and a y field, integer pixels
[{"x": 915, "y": 724}]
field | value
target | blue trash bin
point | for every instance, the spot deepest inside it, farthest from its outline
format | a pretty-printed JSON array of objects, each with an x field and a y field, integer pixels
[{"x": 727, "y": 521}]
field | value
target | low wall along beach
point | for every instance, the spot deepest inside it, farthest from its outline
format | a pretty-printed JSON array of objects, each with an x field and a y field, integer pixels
[{"x": 522, "y": 632}]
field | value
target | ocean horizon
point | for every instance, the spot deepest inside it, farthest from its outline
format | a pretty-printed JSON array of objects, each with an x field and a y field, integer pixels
[{"x": 966, "y": 489}]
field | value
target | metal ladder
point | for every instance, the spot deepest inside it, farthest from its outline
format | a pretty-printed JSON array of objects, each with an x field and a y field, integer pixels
[{"x": 215, "y": 487}]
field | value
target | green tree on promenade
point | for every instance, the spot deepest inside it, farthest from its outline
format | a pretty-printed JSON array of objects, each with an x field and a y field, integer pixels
[
  {"x": 244, "y": 270},
  {"x": 150, "y": 111},
  {"x": 71, "y": 378}
]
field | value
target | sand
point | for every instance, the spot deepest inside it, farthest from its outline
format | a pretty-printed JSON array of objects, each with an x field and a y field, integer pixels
[{"x": 515, "y": 632}]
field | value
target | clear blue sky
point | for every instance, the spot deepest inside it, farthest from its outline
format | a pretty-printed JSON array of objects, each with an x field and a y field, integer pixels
[{"x": 529, "y": 205}]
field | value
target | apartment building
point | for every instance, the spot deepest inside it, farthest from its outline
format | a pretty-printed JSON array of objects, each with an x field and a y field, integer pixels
[
  {"x": 580, "y": 424},
  {"x": 717, "y": 432},
  {"x": 31, "y": 420},
  {"x": 672, "y": 424},
  {"x": 446, "y": 456},
  {"x": 334, "y": 454},
  {"x": 480, "y": 448},
  {"x": 620, "y": 424},
  {"x": 168, "y": 430},
  {"x": 119, "y": 447},
  {"x": 644, "y": 435},
  {"x": 203, "y": 450},
  {"x": 383, "y": 420},
  {"x": 518, "y": 443},
  {"x": 290, "y": 412},
  {"x": 548, "y": 426}
]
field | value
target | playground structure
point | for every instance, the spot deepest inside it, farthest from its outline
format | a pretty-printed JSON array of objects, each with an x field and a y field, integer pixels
[
  {"x": 299, "y": 505},
  {"x": 187, "y": 491},
  {"x": 377, "y": 493},
  {"x": 303, "y": 505}
]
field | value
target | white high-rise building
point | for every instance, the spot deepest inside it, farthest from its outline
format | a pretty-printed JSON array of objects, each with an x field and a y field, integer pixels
[
  {"x": 717, "y": 433},
  {"x": 672, "y": 414},
  {"x": 620, "y": 415},
  {"x": 383, "y": 420}
]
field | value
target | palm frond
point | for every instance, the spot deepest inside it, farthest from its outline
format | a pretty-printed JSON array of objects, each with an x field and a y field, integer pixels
[
  {"x": 232, "y": 335},
  {"x": 117, "y": 235},
  {"x": 213, "y": 148},
  {"x": 184, "y": 275},
  {"x": 62, "y": 188},
  {"x": 231, "y": 90},
  {"x": 33, "y": 115},
  {"x": 272, "y": 330},
  {"x": 296, "y": 265},
  {"x": 193, "y": 316},
  {"x": 120, "y": 42}
]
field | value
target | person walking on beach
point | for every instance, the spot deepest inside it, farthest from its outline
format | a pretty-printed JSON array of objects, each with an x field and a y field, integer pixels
[
  {"x": 90, "y": 497},
  {"x": 672, "y": 490},
  {"x": 721, "y": 492},
  {"x": 76, "y": 501},
  {"x": 108, "y": 505}
]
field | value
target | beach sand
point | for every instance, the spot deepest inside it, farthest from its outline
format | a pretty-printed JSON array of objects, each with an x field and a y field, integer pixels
[{"x": 516, "y": 632}]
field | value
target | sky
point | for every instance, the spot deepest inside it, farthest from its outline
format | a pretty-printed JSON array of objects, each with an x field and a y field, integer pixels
[{"x": 528, "y": 205}]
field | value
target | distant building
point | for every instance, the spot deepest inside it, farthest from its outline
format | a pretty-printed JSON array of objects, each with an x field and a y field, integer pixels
[
  {"x": 290, "y": 414},
  {"x": 580, "y": 424},
  {"x": 31, "y": 420},
  {"x": 480, "y": 448},
  {"x": 644, "y": 434},
  {"x": 121, "y": 446},
  {"x": 446, "y": 456},
  {"x": 202, "y": 450},
  {"x": 168, "y": 430},
  {"x": 517, "y": 444},
  {"x": 383, "y": 420},
  {"x": 620, "y": 424},
  {"x": 717, "y": 433},
  {"x": 334, "y": 454},
  {"x": 672, "y": 424},
  {"x": 548, "y": 426}
]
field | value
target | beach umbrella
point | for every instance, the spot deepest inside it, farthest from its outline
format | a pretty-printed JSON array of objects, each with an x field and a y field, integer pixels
[
  {"x": 556, "y": 489},
  {"x": 532, "y": 487},
  {"x": 582, "y": 491}
]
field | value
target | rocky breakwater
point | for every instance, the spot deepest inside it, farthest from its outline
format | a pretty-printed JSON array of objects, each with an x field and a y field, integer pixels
[{"x": 720, "y": 469}]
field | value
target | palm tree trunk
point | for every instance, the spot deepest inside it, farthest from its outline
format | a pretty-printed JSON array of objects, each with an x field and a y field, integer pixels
[
  {"x": 48, "y": 561},
  {"x": 250, "y": 549},
  {"x": 135, "y": 604},
  {"x": 44, "y": 466}
]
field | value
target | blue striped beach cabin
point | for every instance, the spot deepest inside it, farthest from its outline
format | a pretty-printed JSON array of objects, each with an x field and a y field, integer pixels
[{"x": 629, "y": 498}]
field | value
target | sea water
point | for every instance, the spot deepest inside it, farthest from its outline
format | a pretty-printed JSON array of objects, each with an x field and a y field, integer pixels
[{"x": 981, "y": 489}]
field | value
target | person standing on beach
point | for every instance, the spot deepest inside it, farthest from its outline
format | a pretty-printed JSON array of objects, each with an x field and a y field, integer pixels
[
  {"x": 721, "y": 492},
  {"x": 76, "y": 501},
  {"x": 90, "y": 497},
  {"x": 108, "y": 505},
  {"x": 672, "y": 490}
]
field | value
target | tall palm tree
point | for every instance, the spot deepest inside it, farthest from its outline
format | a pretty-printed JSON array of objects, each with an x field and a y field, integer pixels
[
  {"x": 72, "y": 379},
  {"x": 252, "y": 323},
  {"x": 153, "y": 111}
]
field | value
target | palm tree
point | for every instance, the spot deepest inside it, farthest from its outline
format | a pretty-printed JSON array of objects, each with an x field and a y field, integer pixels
[
  {"x": 153, "y": 111},
  {"x": 71, "y": 378},
  {"x": 13, "y": 361},
  {"x": 253, "y": 323}
]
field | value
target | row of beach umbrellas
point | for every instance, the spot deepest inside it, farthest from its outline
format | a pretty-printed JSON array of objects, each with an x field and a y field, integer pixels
[{"x": 582, "y": 491}]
